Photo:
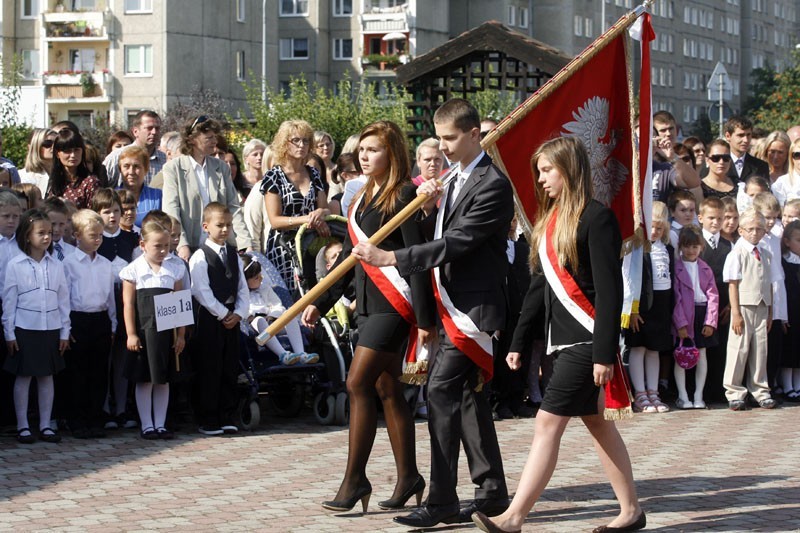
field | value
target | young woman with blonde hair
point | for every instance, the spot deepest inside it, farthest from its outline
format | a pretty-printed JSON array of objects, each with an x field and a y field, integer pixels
[{"x": 577, "y": 284}]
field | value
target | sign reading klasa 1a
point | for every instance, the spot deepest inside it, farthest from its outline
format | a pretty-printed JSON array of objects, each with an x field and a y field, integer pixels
[{"x": 173, "y": 310}]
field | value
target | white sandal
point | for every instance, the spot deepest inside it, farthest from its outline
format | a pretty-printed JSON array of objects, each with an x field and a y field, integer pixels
[
  {"x": 660, "y": 406},
  {"x": 642, "y": 404}
]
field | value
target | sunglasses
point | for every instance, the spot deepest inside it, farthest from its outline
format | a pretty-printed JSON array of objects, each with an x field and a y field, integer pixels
[
  {"x": 199, "y": 120},
  {"x": 300, "y": 142},
  {"x": 48, "y": 143},
  {"x": 716, "y": 158},
  {"x": 796, "y": 155}
]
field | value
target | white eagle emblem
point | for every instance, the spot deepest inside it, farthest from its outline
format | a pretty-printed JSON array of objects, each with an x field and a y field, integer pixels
[{"x": 591, "y": 127}]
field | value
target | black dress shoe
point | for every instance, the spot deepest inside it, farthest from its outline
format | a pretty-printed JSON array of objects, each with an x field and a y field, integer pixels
[
  {"x": 489, "y": 507},
  {"x": 362, "y": 493},
  {"x": 429, "y": 516},
  {"x": 398, "y": 503},
  {"x": 638, "y": 524}
]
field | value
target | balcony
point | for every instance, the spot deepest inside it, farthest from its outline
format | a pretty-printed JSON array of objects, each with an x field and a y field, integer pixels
[
  {"x": 77, "y": 26},
  {"x": 77, "y": 87},
  {"x": 385, "y": 20}
]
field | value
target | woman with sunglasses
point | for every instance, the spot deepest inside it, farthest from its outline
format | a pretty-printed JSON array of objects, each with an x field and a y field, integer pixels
[
  {"x": 197, "y": 178},
  {"x": 717, "y": 183},
  {"x": 787, "y": 187},
  {"x": 39, "y": 161},
  {"x": 294, "y": 193},
  {"x": 345, "y": 170},
  {"x": 70, "y": 178},
  {"x": 698, "y": 148}
]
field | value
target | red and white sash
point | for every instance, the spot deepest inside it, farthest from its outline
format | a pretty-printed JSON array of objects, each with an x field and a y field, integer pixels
[
  {"x": 566, "y": 289},
  {"x": 462, "y": 331},
  {"x": 398, "y": 292}
]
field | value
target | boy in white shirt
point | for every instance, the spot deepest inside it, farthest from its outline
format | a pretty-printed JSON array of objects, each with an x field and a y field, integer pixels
[
  {"x": 10, "y": 211},
  {"x": 58, "y": 213}
]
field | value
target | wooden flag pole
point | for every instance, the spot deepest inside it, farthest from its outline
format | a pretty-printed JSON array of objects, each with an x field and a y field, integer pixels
[
  {"x": 563, "y": 75},
  {"x": 333, "y": 276}
]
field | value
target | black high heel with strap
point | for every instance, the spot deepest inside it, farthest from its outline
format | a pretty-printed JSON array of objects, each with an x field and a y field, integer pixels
[
  {"x": 398, "y": 503},
  {"x": 362, "y": 493}
]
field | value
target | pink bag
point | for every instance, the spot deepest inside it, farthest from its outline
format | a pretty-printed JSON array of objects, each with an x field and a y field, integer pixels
[{"x": 686, "y": 356}]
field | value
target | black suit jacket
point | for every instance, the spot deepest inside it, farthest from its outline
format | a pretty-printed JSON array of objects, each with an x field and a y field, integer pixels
[
  {"x": 472, "y": 249},
  {"x": 599, "y": 276},
  {"x": 752, "y": 166},
  {"x": 369, "y": 298}
]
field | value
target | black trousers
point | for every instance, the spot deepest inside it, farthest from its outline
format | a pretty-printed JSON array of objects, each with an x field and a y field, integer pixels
[
  {"x": 458, "y": 413},
  {"x": 216, "y": 367},
  {"x": 85, "y": 377},
  {"x": 774, "y": 351}
]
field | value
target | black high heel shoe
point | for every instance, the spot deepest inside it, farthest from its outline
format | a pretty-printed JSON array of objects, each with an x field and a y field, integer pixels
[
  {"x": 362, "y": 493},
  {"x": 398, "y": 503}
]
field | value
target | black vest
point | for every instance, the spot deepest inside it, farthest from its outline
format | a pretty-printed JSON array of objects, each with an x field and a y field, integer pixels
[
  {"x": 224, "y": 281},
  {"x": 122, "y": 245}
]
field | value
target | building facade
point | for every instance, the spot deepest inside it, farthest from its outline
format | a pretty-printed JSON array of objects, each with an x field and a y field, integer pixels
[{"x": 90, "y": 59}]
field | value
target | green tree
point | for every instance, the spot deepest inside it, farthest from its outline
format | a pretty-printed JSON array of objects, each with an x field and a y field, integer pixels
[
  {"x": 342, "y": 112},
  {"x": 15, "y": 135},
  {"x": 493, "y": 103},
  {"x": 762, "y": 86},
  {"x": 781, "y": 108}
]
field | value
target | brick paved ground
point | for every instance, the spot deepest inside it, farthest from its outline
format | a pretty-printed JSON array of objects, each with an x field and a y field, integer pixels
[{"x": 715, "y": 470}]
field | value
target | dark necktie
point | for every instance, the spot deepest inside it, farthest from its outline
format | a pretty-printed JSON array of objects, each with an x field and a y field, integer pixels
[
  {"x": 713, "y": 242},
  {"x": 223, "y": 254},
  {"x": 59, "y": 251},
  {"x": 757, "y": 253}
]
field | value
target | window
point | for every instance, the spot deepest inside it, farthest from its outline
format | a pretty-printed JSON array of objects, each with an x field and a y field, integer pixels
[
  {"x": 512, "y": 15},
  {"x": 240, "y": 10},
  {"x": 588, "y": 27},
  {"x": 294, "y": 8},
  {"x": 30, "y": 9},
  {"x": 241, "y": 69},
  {"x": 30, "y": 64},
  {"x": 578, "y": 23},
  {"x": 342, "y": 49},
  {"x": 83, "y": 118},
  {"x": 342, "y": 8},
  {"x": 523, "y": 17},
  {"x": 138, "y": 6},
  {"x": 294, "y": 48},
  {"x": 86, "y": 5},
  {"x": 139, "y": 60}
]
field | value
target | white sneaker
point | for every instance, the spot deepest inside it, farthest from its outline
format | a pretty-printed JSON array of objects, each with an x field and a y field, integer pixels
[
  {"x": 308, "y": 358},
  {"x": 699, "y": 404},
  {"x": 289, "y": 358}
]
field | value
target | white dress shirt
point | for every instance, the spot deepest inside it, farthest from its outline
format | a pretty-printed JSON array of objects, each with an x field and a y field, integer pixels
[
  {"x": 8, "y": 250},
  {"x": 142, "y": 275},
  {"x": 779, "y": 308},
  {"x": 202, "y": 181},
  {"x": 201, "y": 286},
  {"x": 35, "y": 296},
  {"x": 91, "y": 284}
]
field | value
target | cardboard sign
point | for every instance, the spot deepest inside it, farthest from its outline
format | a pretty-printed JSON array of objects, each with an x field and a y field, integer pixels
[{"x": 173, "y": 310}]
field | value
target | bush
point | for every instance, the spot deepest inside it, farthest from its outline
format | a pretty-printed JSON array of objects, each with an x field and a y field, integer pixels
[
  {"x": 341, "y": 113},
  {"x": 15, "y": 143}
]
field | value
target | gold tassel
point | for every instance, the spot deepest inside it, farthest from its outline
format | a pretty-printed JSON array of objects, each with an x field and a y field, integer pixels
[
  {"x": 415, "y": 373},
  {"x": 618, "y": 414}
]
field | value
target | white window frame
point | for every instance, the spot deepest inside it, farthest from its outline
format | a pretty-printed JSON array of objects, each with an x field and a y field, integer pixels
[
  {"x": 338, "y": 48},
  {"x": 511, "y": 16},
  {"x": 295, "y": 12},
  {"x": 577, "y": 26},
  {"x": 144, "y": 7},
  {"x": 35, "y": 9},
  {"x": 241, "y": 10},
  {"x": 241, "y": 65},
  {"x": 524, "y": 18},
  {"x": 292, "y": 57},
  {"x": 143, "y": 48},
  {"x": 338, "y": 8},
  {"x": 31, "y": 56}
]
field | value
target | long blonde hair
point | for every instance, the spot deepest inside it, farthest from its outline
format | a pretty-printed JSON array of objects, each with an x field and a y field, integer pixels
[{"x": 570, "y": 158}]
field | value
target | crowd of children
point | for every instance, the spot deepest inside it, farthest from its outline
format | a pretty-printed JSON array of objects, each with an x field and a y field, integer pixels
[
  {"x": 80, "y": 318},
  {"x": 713, "y": 303}
]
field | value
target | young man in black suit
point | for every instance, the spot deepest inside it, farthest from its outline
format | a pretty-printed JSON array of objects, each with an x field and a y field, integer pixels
[
  {"x": 467, "y": 236},
  {"x": 739, "y": 134}
]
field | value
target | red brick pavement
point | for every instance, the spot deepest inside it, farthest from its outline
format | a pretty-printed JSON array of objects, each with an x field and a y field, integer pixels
[{"x": 696, "y": 471}]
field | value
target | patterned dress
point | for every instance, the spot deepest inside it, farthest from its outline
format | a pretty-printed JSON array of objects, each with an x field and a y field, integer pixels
[{"x": 293, "y": 204}]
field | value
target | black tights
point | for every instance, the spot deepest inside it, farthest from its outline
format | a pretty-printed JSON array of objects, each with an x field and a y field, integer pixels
[{"x": 374, "y": 372}]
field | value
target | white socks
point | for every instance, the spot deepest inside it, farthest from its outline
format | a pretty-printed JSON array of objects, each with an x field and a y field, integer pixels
[
  {"x": 152, "y": 402},
  {"x": 46, "y": 392}
]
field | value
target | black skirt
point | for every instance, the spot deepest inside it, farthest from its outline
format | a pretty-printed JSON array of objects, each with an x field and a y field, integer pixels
[
  {"x": 383, "y": 332},
  {"x": 38, "y": 354},
  {"x": 154, "y": 362},
  {"x": 699, "y": 321},
  {"x": 654, "y": 334},
  {"x": 571, "y": 390}
]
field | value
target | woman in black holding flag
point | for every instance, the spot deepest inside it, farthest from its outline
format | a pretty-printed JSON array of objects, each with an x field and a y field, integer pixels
[
  {"x": 577, "y": 282},
  {"x": 391, "y": 310}
]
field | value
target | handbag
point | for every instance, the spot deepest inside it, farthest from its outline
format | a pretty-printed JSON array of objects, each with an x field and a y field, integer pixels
[{"x": 686, "y": 356}]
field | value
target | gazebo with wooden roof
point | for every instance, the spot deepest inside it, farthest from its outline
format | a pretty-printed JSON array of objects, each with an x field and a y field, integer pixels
[{"x": 491, "y": 56}]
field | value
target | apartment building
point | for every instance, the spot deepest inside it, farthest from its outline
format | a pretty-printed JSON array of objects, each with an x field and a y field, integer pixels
[
  {"x": 691, "y": 37},
  {"x": 152, "y": 53}
]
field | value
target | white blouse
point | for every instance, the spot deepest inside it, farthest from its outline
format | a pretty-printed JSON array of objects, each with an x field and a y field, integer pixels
[
  {"x": 264, "y": 301},
  {"x": 35, "y": 296},
  {"x": 659, "y": 262},
  {"x": 140, "y": 274}
]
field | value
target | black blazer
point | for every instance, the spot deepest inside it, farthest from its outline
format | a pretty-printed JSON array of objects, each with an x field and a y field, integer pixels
[
  {"x": 752, "y": 166},
  {"x": 599, "y": 276},
  {"x": 369, "y": 299},
  {"x": 472, "y": 250}
]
